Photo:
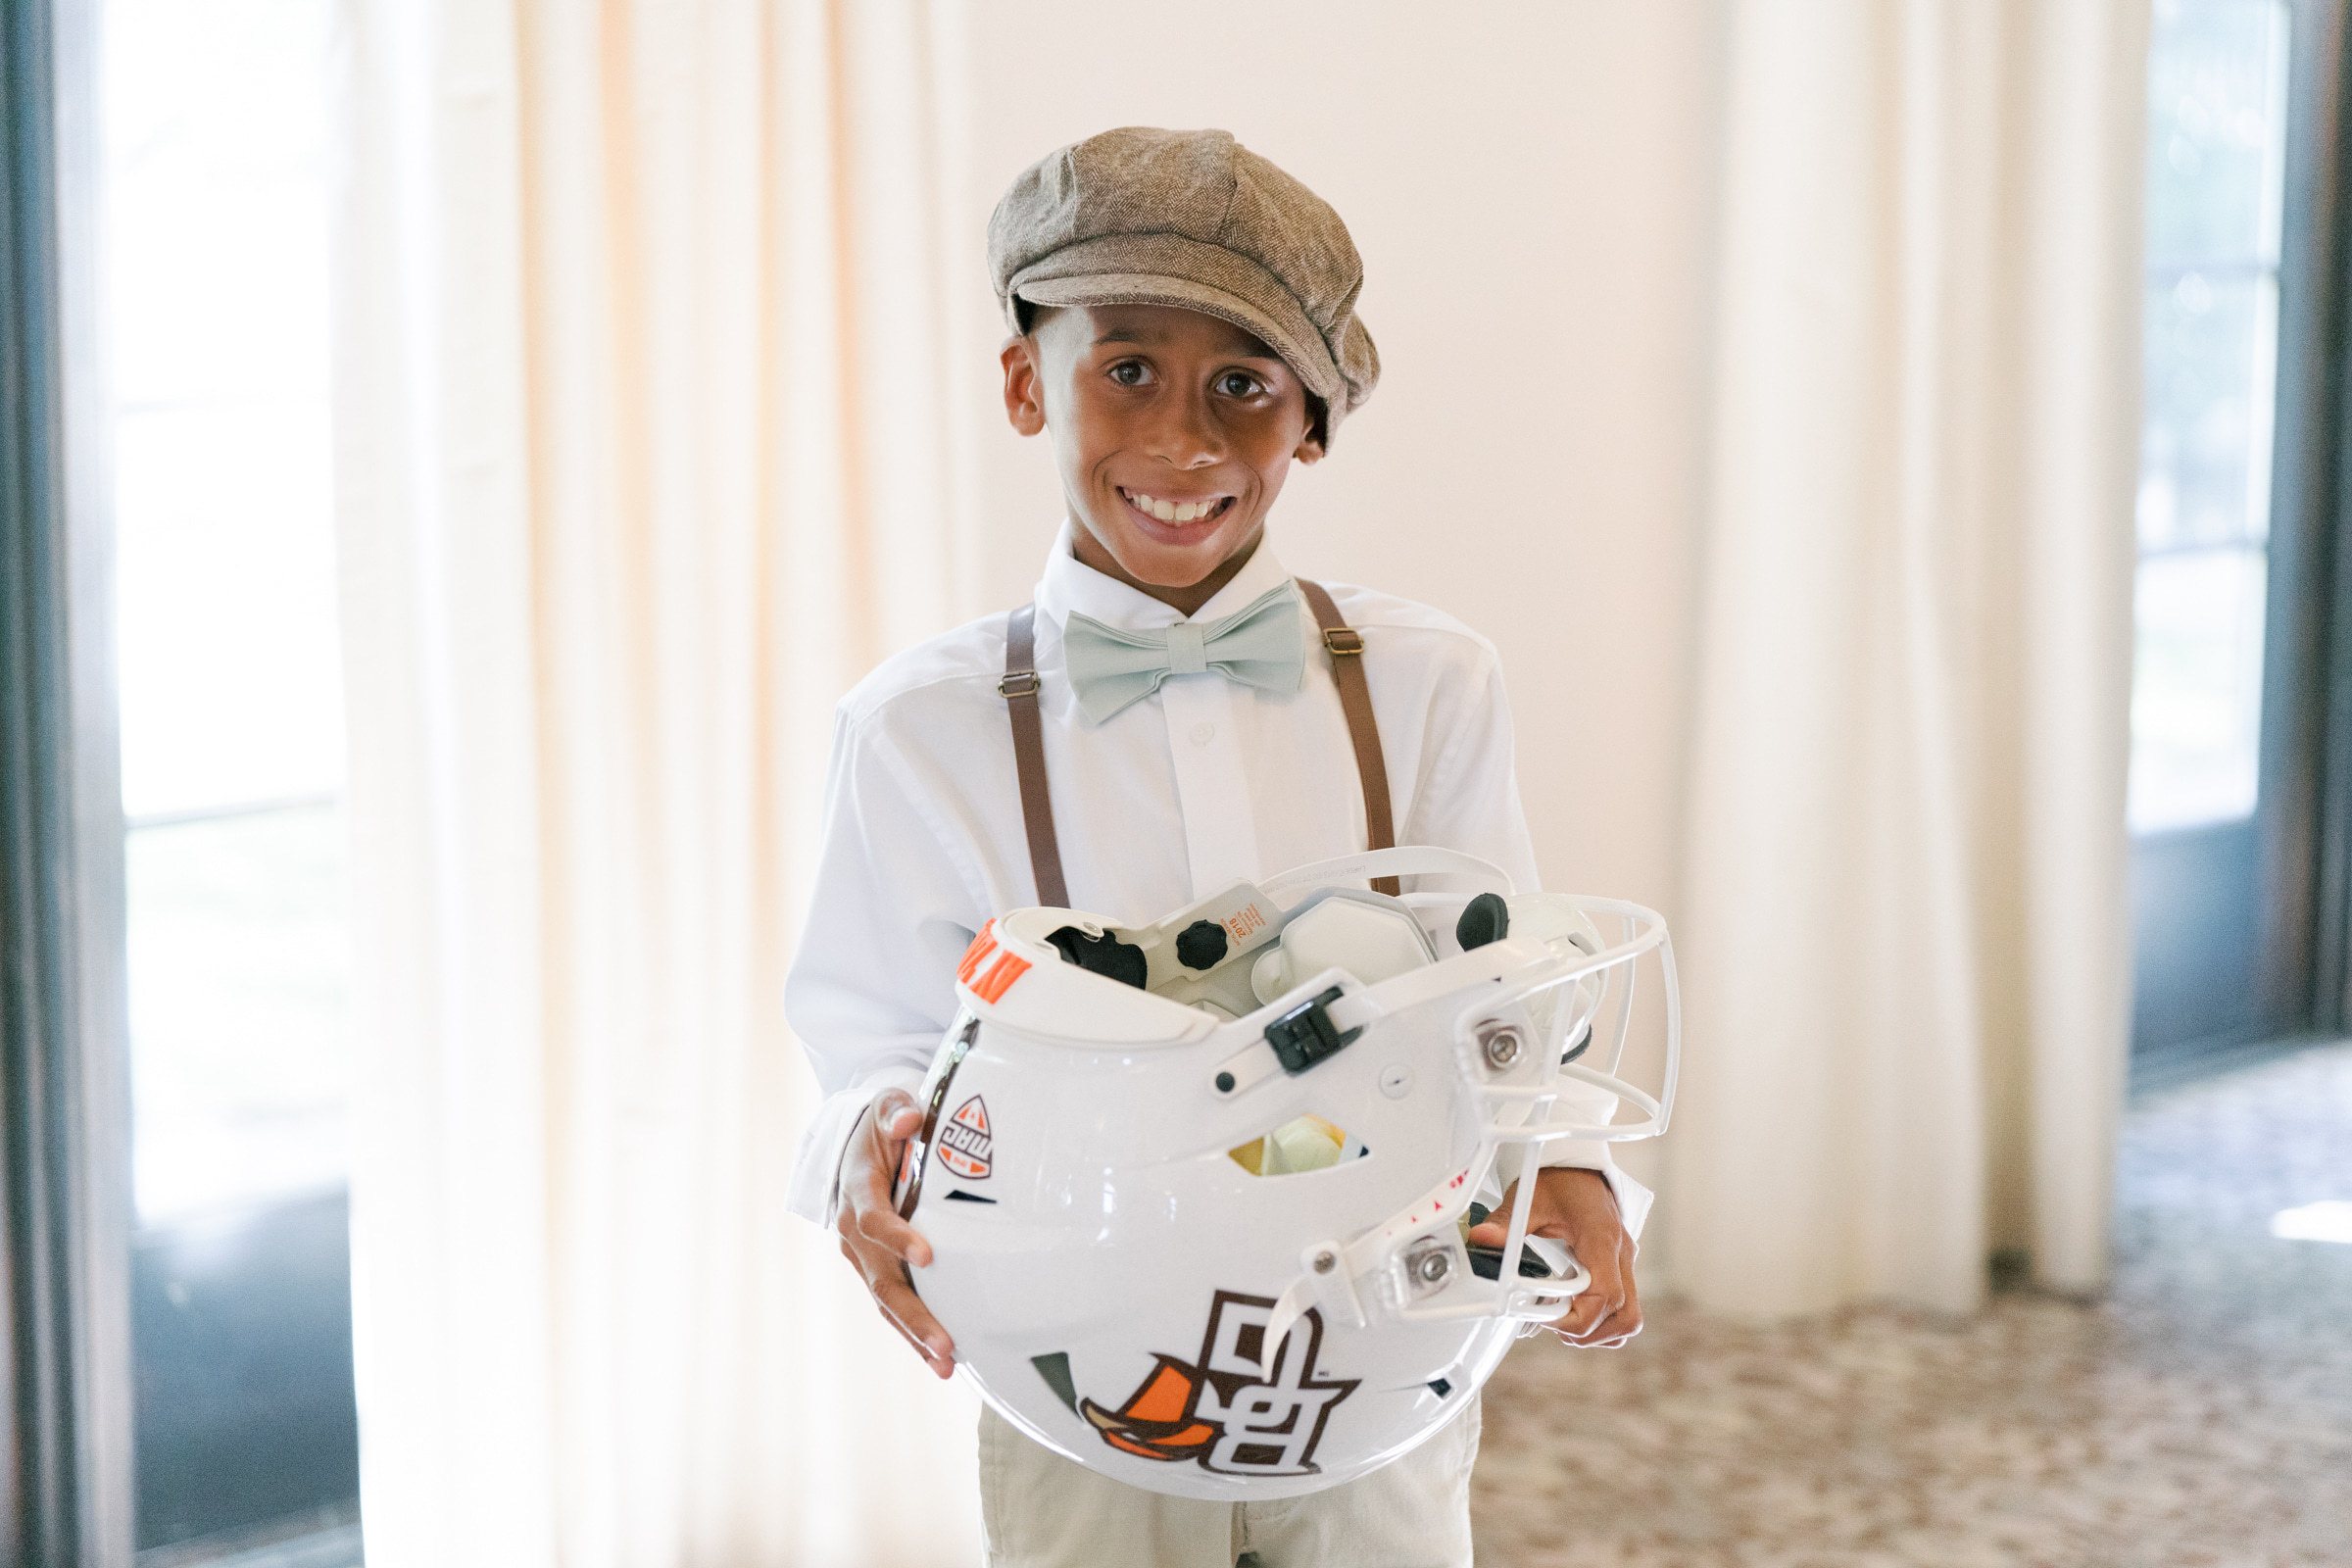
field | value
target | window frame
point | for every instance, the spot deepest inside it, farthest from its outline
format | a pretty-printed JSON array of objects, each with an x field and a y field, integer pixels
[
  {"x": 67, "y": 1455},
  {"x": 2328, "y": 714},
  {"x": 2240, "y": 926},
  {"x": 2301, "y": 940}
]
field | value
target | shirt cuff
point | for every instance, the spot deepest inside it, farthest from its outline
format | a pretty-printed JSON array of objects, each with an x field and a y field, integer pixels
[
  {"x": 1587, "y": 1154},
  {"x": 817, "y": 1166}
]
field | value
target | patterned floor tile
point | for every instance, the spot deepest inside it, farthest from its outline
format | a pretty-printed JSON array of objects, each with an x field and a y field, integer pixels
[{"x": 2200, "y": 1414}]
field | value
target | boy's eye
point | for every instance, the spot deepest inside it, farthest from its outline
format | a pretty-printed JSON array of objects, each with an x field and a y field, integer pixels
[
  {"x": 1248, "y": 382},
  {"x": 1135, "y": 366}
]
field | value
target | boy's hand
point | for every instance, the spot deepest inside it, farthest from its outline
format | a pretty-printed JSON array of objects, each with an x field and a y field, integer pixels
[
  {"x": 877, "y": 1242},
  {"x": 1574, "y": 1205}
]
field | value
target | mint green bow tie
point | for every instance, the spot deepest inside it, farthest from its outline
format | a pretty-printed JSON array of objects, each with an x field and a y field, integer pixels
[{"x": 1258, "y": 645}]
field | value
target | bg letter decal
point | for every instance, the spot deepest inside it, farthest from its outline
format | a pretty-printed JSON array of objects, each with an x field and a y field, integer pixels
[{"x": 1221, "y": 1409}]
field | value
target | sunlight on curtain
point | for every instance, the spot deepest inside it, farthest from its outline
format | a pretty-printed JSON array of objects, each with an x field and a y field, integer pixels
[
  {"x": 1904, "y": 910},
  {"x": 645, "y": 452}
]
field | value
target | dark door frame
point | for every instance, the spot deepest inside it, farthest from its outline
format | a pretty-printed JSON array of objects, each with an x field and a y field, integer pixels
[
  {"x": 2300, "y": 684},
  {"x": 2330, "y": 562},
  {"x": 66, "y": 1447}
]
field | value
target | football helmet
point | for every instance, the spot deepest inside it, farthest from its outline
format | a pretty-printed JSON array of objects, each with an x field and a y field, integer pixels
[{"x": 1198, "y": 1192}]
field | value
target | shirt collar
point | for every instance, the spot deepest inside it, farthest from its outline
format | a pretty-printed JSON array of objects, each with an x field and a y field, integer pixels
[{"x": 1071, "y": 584}]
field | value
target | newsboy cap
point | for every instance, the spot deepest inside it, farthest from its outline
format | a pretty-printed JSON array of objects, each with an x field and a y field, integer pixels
[{"x": 1191, "y": 219}]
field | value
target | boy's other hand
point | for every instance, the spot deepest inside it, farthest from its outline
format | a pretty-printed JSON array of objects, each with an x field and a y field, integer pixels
[
  {"x": 877, "y": 1242},
  {"x": 1574, "y": 1205}
]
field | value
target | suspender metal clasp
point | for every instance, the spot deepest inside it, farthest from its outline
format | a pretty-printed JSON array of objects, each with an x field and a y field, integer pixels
[
  {"x": 1019, "y": 683},
  {"x": 1343, "y": 640}
]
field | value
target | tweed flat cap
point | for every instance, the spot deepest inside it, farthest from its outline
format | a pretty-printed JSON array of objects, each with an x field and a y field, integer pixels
[{"x": 1191, "y": 219}]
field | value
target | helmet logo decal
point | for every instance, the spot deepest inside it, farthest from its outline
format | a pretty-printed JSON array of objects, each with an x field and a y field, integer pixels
[
  {"x": 989, "y": 984},
  {"x": 1224, "y": 1410},
  {"x": 964, "y": 1142}
]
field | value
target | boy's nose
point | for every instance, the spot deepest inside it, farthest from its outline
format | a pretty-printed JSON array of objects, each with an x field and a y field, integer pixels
[{"x": 1186, "y": 435}]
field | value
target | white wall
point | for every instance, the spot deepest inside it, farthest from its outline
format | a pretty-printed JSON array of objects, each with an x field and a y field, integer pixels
[{"x": 1529, "y": 184}]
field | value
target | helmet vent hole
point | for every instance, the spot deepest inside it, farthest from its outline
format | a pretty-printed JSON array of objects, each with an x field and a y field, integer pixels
[{"x": 1299, "y": 1145}]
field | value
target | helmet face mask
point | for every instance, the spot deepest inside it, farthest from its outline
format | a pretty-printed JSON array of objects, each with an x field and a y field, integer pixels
[{"x": 1204, "y": 1234}]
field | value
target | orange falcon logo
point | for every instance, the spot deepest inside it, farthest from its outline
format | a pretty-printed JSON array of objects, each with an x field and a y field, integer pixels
[
  {"x": 1156, "y": 1421},
  {"x": 1223, "y": 1410}
]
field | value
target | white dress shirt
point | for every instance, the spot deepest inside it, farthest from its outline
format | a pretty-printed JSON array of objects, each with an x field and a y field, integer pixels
[{"x": 1205, "y": 782}]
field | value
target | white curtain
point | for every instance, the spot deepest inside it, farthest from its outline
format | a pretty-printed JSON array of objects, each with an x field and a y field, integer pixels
[
  {"x": 1904, "y": 912},
  {"x": 645, "y": 449}
]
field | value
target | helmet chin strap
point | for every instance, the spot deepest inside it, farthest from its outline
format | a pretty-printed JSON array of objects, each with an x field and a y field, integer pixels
[{"x": 1291, "y": 1305}]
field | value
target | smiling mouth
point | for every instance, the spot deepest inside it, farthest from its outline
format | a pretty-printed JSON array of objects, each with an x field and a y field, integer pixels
[{"x": 1175, "y": 515}]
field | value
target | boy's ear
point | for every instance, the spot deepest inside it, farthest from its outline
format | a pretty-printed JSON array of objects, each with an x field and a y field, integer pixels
[
  {"x": 1024, "y": 389},
  {"x": 1310, "y": 448}
]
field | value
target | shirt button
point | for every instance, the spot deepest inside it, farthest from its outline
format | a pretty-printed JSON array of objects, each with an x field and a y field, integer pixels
[{"x": 1203, "y": 734}]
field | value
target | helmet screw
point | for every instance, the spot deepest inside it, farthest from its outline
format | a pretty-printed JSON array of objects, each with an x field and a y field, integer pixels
[
  {"x": 1427, "y": 1263},
  {"x": 1502, "y": 1043},
  {"x": 1326, "y": 1261}
]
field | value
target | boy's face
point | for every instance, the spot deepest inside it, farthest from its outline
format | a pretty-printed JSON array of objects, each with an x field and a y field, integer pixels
[{"x": 1178, "y": 406}]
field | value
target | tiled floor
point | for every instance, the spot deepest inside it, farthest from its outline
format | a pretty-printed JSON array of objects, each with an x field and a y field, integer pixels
[{"x": 2200, "y": 1416}]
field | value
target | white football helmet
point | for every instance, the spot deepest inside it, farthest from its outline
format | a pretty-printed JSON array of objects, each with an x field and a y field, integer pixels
[{"x": 1197, "y": 1191}]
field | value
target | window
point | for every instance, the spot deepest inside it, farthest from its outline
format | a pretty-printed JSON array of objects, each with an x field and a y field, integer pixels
[
  {"x": 2217, "y": 145},
  {"x": 214, "y": 198},
  {"x": 2235, "y": 510}
]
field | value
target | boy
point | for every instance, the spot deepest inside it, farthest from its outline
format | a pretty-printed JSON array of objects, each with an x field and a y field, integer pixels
[{"x": 1184, "y": 329}]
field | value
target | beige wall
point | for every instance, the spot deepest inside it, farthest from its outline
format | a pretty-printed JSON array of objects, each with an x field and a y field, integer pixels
[{"x": 1530, "y": 193}]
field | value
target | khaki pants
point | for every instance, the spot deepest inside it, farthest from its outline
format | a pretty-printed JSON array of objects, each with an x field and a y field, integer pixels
[{"x": 1041, "y": 1510}]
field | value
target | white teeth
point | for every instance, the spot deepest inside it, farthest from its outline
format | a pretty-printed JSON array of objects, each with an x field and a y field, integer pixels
[{"x": 1169, "y": 512}]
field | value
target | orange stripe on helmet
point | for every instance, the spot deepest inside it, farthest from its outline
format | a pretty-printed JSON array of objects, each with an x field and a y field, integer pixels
[
  {"x": 977, "y": 954},
  {"x": 1008, "y": 969}
]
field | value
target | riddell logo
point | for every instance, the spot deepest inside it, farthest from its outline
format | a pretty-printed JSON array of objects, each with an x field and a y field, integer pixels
[
  {"x": 964, "y": 1142},
  {"x": 1222, "y": 1410}
]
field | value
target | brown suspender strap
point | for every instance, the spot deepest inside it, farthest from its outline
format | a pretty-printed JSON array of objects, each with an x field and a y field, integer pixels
[
  {"x": 1020, "y": 686},
  {"x": 1347, "y": 647}
]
